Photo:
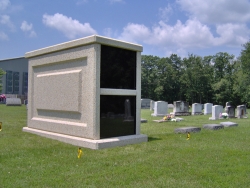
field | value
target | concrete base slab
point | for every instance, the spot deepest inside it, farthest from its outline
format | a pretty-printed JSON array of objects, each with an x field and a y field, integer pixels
[
  {"x": 89, "y": 143},
  {"x": 182, "y": 113},
  {"x": 228, "y": 124},
  {"x": 187, "y": 129},
  {"x": 144, "y": 121},
  {"x": 158, "y": 115},
  {"x": 211, "y": 118},
  {"x": 213, "y": 126},
  {"x": 160, "y": 121},
  {"x": 179, "y": 119}
]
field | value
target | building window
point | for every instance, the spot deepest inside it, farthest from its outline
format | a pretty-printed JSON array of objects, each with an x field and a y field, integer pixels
[
  {"x": 9, "y": 82},
  {"x": 15, "y": 82},
  {"x": 25, "y": 83}
]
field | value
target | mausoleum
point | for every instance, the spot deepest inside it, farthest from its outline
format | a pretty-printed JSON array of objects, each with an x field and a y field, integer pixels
[{"x": 86, "y": 92}]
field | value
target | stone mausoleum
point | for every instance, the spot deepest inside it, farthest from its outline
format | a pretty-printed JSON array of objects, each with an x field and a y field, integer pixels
[{"x": 86, "y": 92}]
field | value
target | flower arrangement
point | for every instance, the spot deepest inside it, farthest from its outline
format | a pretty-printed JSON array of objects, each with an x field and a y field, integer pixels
[
  {"x": 168, "y": 117},
  {"x": 224, "y": 115}
]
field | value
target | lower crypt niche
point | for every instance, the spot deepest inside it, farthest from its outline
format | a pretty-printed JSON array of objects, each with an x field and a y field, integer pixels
[{"x": 118, "y": 116}]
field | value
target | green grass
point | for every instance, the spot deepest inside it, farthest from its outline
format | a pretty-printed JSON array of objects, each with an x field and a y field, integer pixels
[{"x": 218, "y": 158}]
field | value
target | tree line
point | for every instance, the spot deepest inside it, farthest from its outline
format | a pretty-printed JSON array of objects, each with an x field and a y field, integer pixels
[{"x": 216, "y": 79}]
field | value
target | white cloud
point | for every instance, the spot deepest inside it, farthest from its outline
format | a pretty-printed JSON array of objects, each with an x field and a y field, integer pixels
[
  {"x": 232, "y": 34},
  {"x": 28, "y": 28},
  {"x": 5, "y": 20},
  {"x": 25, "y": 26},
  {"x": 116, "y": 1},
  {"x": 166, "y": 12},
  {"x": 69, "y": 27},
  {"x": 184, "y": 36},
  {"x": 3, "y": 36},
  {"x": 4, "y": 4},
  {"x": 80, "y": 2},
  {"x": 217, "y": 11}
]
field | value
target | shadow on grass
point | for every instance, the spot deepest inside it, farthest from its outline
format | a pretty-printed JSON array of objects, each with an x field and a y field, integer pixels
[{"x": 150, "y": 139}]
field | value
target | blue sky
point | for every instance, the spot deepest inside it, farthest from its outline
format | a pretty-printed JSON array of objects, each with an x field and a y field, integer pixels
[{"x": 162, "y": 27}]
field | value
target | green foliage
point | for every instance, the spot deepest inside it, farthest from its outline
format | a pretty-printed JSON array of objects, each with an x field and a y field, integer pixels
[
  {"x": 215, "y": 79},
  {"x": 242, "y": 85},
  {"x": 209, "y": 159}
]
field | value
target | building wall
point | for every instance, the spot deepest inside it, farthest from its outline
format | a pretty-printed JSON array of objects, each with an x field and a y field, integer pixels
[{"x": 15, "y": 81}]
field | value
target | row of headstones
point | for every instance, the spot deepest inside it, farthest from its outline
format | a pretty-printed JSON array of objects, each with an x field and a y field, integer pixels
[
  {"x": 217, "y": 110},
  {"x": 160, "y": 108}
]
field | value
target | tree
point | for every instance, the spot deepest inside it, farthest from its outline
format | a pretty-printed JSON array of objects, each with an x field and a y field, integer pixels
[
  {"x": 224, "y": 70},
  {"x": 242, "y": 83}
]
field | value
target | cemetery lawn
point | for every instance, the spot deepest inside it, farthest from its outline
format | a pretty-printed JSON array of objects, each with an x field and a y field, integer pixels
[{"x": 210, "y": 158}]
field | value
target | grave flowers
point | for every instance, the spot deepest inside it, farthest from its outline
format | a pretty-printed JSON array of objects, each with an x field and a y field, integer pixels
[
  {"x": 168, "y": 117},
  {"x": 224, "y": 115}
]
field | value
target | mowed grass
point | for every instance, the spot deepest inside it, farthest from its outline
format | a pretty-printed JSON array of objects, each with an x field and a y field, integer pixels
[{"x": 218, "y": 158}]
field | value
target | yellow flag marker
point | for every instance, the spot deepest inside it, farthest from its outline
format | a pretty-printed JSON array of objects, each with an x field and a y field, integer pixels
[
  {"x": 79, "y": 153},
  {"x": 0, "y": 126},
  {"x": 188, "y": 135}
]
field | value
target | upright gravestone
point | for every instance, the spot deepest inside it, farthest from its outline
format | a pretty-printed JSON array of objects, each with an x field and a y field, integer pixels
[
  {"x": 216, "y": 110},
  {"x": 160, "y": 109},
  {"x": 230, "y": 110},
  {"x": 181, "y": 108},
  {"x": 86, "y": 92},
  {"x": 208, "y": 108},
  {"x": 152, "y": 104},
  {"x": 228, "y": 103},
  {"x": 196, "y": 109},
  {"x": 241, "y": 111},
  {"x": 13, "y": 102},
  {"x": 145, "y": 103}
]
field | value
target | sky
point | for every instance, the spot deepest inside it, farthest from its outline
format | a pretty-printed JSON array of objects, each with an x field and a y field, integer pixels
[{"x": 162, "y": 27}]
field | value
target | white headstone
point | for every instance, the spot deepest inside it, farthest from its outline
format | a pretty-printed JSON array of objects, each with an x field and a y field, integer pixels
[
  {"x": 13, "y": 102},
  {"x": 160, "y": 109},
  {"x": 216, "y": 110},
  {"x": 196, "y": 108},
  {"x": 208, "y": 108}
]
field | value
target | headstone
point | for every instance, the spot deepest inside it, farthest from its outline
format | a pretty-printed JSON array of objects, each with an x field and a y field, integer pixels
[
  {"x": 208, "y": 108},
  {"x": 13, "y": 102},
  {"x": 216, "y": 110},
  {"x": 144, "y": 121},
  {"x": 213, "y": 126},
  {"x": 181, "y": 108},
  {"x": 187, "y": 129},
  {"x": 241, "y": 111},
  {"x": 152, "y": 104},
  {"x": 228, "y": 103},
  {"x": 25, "y": 102},
  {"x": 160, "y": 109},
  {"x": 196, "y": 109},
  {"x": 228, "y": 124},
  {"x": 170, "y": 106},
  {"x": 230, "y": 110},
  {"x": 145, "y": 103},
  {"x": 80, "y": 89}
]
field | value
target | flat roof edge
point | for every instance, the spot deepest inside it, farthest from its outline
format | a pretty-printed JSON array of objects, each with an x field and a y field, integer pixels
[
  {"x": 13, "y": 58},
  {"x": 85, "y": 41}
]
